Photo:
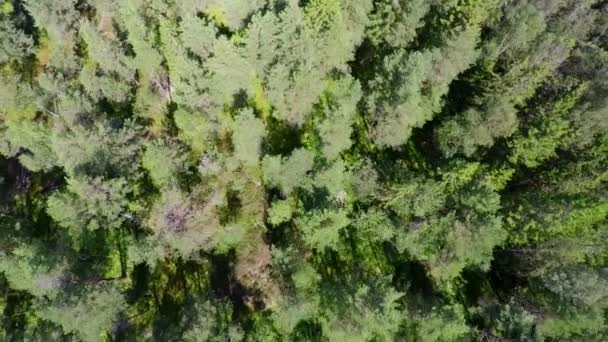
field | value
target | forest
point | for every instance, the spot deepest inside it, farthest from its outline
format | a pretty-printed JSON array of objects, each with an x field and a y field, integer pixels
[{"x": 313, "y": 170}]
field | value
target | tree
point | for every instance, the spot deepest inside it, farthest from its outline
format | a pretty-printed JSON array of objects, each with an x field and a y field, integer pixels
[
  {"x": 395, "y": 22},
  {"x": 588, "y": 117},
  {"x": 339, "y": 104},
  {"x": 373, "y": 314},
  {"x": 232, "y": 13},
  {"x": 101, "y": 150},
  {"x": 59, "y": 23},
  {"x": 552, "y": 131},
  {"x": 497, "y": 116},
  {"x": 163, "y": 162},
  {"x": 106, "y": 59},
  {"x": 409, "y": 89},
  {"x": 195, "y": 130},
  {"x": 16, "y": 44},
  {"x": 72, "y": 311},
  {"x": 183, "y": 226},
  {"x": 478, "y": 127},
  {"x": 515, "y": 32},
  {"x": 322, "y": 230},
  {"x": 200, "y": 320},
  {"x": 507, "y": 321},
  {"x": 290, "y": 83},
  {"x": 443, "y": 324},
  {"x": 449, "y": 238},
  {"x": 247, "y": 137},
  {"x": 90, "y": 204},
  {"x": 29, "y": 268},
  {"x": 580, "y": 286},
  {"x": 308, "y": 45},
  {"x": 541, "y": 216},
  {"x": 154, "y": 83},
  {"x": 280, "y": 212},
  {"x": 34, "y": 138},
  {"x": 288, "y": 173}
]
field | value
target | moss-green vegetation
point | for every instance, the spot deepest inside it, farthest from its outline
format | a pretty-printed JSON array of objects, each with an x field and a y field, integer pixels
[{"x": 320, "y": 170}]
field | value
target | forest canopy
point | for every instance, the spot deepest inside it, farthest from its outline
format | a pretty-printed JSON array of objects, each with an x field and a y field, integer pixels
[{"x": 313, "y": 170}]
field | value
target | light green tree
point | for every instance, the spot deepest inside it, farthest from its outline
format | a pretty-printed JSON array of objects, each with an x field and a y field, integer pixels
[
  {"x": 247, "y": 137},
  {"x": 288, "y": 173}
]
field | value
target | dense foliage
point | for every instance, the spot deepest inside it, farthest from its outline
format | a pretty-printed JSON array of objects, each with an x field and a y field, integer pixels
[{"x": 314, "y": 170}]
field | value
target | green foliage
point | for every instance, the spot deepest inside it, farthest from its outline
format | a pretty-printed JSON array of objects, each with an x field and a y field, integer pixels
[
  {"x": 585, "y": 173},
  {"x": 283, "y": 170},
  {"x": 449, "y": 239},
  {"x": 370, "y": 312},
  {"x": 183, "y": 226},
  {"x": 58, "y": 23},
  {"x": 280, "y": 212},
  {"x": 339, "y": 106},
  {"x": 396, "y": 98},
  {"x": 15, "y": 43},
  {"x": 335, "y": 179},
  {"x": 291, "y": 84},
  {"x": 27, "y": 269},
  {"x": 580, "y": 286},
  {"x": 35, "y": 138},
  {"x": 410, "y": 88},
  {"x": 306, "y": 45},
  {"x": 73, "y": 311},
  {"x": 574, "y": 296},
  {"x": 208, "y": 322},
  {"x": 498, "y": 119},
  {"x": 516, "y": 31},
  {"x": 231, "y": 13},
  {"x": 417, "y": 199},
  {"x": 105, "y": 53},
  {"x": 443, "y": 324},
  {"x": 247, "y": 138},
  {"x": 541, "y": 143},
  {"x": 537, "y": 56},
  {"x": 194, "y": 129},
  {"x": 288, "y": 173},
  {"x": 322, "y": 229},
  {"x": 100, "y": 150},
  {"x": 163, "y": 162},
  {"x": 507, "y": 321},
  {"x": 395, "y": 22},
  {"x": 89, "y": 204},
  {"x": 539, "y": 217},
  {"x": 589, "y": 117},
  {"x": 364, "y": 180},
  {"x": 375, "y": 226}
]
